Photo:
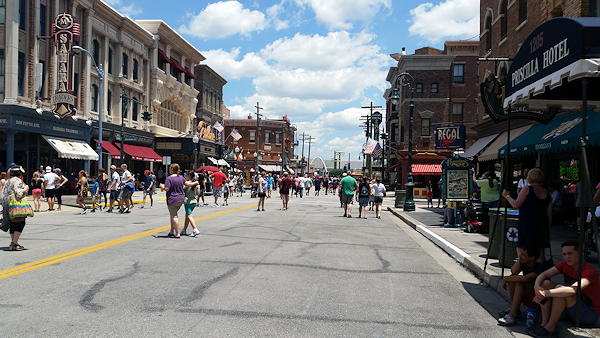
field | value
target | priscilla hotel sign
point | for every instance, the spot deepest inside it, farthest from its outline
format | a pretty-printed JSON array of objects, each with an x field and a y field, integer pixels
[{"x": 65, "y": 31}]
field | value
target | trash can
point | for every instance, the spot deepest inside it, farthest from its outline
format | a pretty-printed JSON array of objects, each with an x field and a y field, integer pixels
[
  {"x": 400, "y": 197},
  {"x": 510, "y": 237}
]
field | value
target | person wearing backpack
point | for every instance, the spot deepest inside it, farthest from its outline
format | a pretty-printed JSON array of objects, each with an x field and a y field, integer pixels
[{"x": 363, "y": 190}]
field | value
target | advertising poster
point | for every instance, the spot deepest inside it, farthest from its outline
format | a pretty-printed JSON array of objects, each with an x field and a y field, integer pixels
[{"x": 458, "y": 185}]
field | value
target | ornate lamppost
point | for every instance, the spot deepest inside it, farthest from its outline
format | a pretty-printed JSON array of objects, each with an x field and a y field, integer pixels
[{"x": 406, "y": 80}]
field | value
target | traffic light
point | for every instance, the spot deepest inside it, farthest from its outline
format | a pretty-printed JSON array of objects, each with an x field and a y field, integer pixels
[
  {"x": 147, "y": 116},
  {"x": 384, "y": 136}
]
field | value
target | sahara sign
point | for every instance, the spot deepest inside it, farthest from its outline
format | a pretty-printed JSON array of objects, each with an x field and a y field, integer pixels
[
  {"x": 205, "y": 131},
  {"x": 65, "y": 31}
]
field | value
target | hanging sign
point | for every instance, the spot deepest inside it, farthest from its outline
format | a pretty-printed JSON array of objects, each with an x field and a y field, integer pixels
[
  {"x": 65, "y": 31},
  {"x": 450, "y": 137},
  {"x": 205, "y": 131}
]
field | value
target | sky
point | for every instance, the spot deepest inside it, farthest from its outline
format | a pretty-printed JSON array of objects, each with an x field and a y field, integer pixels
[{"x": 318, "y": 61}]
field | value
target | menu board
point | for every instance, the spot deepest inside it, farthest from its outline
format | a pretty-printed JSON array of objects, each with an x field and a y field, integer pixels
[{"x": 457, "y": 187}]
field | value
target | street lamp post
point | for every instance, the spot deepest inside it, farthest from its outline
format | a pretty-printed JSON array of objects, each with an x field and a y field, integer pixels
[
  {"x": 100, "y": 78},
  {"x": 406, "y": 80},
  {"x": 195, "y": 140},
  {"x": 147, "y": 116}
]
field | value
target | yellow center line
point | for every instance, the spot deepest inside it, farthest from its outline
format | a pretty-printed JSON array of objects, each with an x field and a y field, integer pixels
[{"x": 80, "y": 252}]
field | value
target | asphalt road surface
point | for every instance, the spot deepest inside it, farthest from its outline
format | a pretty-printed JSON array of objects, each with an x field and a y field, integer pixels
[{"x": 304, "y": 272}]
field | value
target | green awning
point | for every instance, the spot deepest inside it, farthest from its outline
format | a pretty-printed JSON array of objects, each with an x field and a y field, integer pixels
[{"x": 560, "y": 135}]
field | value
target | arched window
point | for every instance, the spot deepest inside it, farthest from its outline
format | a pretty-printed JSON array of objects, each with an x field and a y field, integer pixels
[
  {"x": 94, "y": 94},
  {"x": 488, "y": 33},
  {"x": 503, "y": 19},
  {"x": 170, "y": 117}
]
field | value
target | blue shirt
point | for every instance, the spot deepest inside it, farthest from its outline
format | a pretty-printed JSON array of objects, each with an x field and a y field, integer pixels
[
  {"x": 270, "y": 180},
  {"x": 95, "y": 188},
  {"x": 148, "y": 181}
]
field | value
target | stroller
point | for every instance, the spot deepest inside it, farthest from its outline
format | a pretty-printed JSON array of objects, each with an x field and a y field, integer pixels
[
  {"x": 475, "y": 217},
  {"x": 254, "y": 191}
]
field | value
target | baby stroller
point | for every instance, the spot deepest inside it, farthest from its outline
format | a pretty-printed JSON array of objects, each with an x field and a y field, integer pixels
[
  {"x": 476, "y": 218},
  {"x": 254, "y": 191}
]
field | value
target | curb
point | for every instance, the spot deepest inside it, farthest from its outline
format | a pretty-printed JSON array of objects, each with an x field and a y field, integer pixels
[{"x": 468, "y": 262}]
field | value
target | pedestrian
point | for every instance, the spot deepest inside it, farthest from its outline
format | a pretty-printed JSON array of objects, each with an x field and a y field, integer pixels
[
  {"x": 218, "y": 178},
  {"x": 60, "y": 187},
  {"x": 240, "y": 185},
  {"x": 175, "y": 197},
  {"x": 189, "y": 203},
  {"x": 82, "y": 191},
  {"x": 429, "y": 194},
  {"x": 317, "y": 182},
  {"x": 103, "y": 186},
  {"x": 301, "y": 185},
  {"x": 363, "y": 190},
  {"x": 50, "y": 182},
  {"x": 439, "y": 196},
  {"x": 270, "y": 181},
  {"x": 263, "y": 187},
  {"x": 522, "y": 181},
  {"x": 149, "y": 188},
  {"x": 307, "y": 184},
  {"x": 346, "y": 192},
  {"x": 378, "y": 192},
  {"x": 114, "y": 187},
  {"x": 535, "y": 213},
  {"x": 126, "y": 187},
  {"x": 284, "y": 190},
  {"x": 296, "y": 185},
  {"x": 3, "y": 179},
  {"x": 202, "y": 188},
  {"x": 133, "y": 187},
  {"x": 15, "y": 225},
  {"x": 95, "y": 194},
  {"x": 372, "y": 197},
  {"x": 37, "y": 184}
]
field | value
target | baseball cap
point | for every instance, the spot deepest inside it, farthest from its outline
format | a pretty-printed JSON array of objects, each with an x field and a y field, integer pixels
[
  {"x": 48, "y": 169},
  {"x": 113, "y": 167},
  {"x": 147, "y": 171},
  {"x": 344, "y": 174},
  {"x": 58, "y": 169}
]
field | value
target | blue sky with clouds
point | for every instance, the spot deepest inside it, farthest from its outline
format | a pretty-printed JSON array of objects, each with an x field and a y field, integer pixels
[{"x": 318, "y": 61}]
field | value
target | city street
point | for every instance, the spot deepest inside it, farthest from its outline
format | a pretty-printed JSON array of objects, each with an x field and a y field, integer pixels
[{"x": 304, "y": 272}]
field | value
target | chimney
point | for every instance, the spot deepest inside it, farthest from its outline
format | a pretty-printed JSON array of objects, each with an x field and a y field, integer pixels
[
  {"x": 403, "y": 50},
  {"x": 249, "y": 116}
]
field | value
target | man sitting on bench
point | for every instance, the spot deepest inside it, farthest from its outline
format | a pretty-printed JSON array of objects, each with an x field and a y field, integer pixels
[
  {"x": 556, "y": 299},
  {"x": 521, "y": 286}
]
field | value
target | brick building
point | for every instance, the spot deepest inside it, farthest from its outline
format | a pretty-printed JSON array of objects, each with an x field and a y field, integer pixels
[
  {"x": 210, "y": 98},
  {"x": 445, "y": 94},
  {"x": 505, "y": 24},
  {"x": 275, "y": 142}
]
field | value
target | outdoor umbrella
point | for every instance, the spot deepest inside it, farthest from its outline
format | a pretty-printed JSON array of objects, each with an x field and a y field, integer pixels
[{"x": 208, "y": 168}]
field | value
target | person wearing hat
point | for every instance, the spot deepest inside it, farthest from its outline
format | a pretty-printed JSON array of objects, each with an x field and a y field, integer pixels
[
  {"x": 58, "y": 192},
  {"x": 346, "y": 192},
  {"x": 50, "y": 180},
  {"x": 114, "y": 187},
  {"x": 14, "y": 185},
  {"x": 148, "y": 188}
]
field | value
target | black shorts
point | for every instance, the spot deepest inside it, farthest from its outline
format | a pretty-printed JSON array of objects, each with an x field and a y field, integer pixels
[
  {"x": 16, "y": 226},
  {"x": 262, "y": 194},
  {"x": 114, "y": 195},
  {"x": 49, "y": 193}
]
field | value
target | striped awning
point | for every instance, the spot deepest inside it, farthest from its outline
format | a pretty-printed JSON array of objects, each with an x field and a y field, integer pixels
[{"x": 427, "y": 169}]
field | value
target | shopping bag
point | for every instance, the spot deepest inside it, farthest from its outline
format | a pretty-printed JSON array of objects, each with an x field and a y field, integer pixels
[{"x": 19, "y": 207}]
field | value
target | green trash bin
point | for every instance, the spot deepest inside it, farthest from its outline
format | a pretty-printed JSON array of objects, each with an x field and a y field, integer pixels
[
  {"x": 512, "y": 223},
  {"x": 400, "y": 197}
]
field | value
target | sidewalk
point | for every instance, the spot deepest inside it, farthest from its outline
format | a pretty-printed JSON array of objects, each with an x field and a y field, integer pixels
[{"x": 470, "y": 250}]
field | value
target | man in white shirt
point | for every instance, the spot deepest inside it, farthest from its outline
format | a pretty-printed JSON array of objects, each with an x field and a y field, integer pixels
[
  {"x": 113, "y": 187},
  {"x": 126, "y": 189},
  {"x": 50, "y": 180},
  {"x": 301, "y": 184}
]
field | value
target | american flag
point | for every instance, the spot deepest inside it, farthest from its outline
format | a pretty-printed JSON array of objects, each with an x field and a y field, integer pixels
[
  {"x": 371, "y": 146},
  {"x": 218, "y": 127},
  {"x": 377, "y": 151},
  {"x": 236, "y": 135}
]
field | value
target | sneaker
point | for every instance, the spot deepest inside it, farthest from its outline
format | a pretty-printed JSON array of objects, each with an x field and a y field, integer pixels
[
  {"x": 448, "y": 225},
  {"x": 365, "y": 217},
  {"x": 223, "y": 204},
  {"x": 359, "y": 216},
  {"x": 183, "y": 233},
  {"x": 349, "y": 216},
  {"x": 108, "y": 210},
  {"x": 195, "y": 232},
  {"x": 93, "y": 210},
  {"x": 507, "y": 320},
  {"x": 205, "y": 203},
  {"x": 503, "y": 313},
  {"x": 150, "y": 207},
  {"x": 83, "y": 212},
  {"x": 227, "y": 203},
  {"x": 345, "y": 215},
  {"x": 216, "y": 205}
]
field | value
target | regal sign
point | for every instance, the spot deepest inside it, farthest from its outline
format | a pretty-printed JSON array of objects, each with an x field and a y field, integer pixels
[
  {"x": 205, "y": 131},
  {"x": 450, "y": 137},
  {"x": 65, "y": 31}
]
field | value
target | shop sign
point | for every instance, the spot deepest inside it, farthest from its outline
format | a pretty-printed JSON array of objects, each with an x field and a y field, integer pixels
[
  {"x": 65, "y": 31},
  {"x": 205, "y": 131},
  {"x": 450, "y": 137},
  {"x": 208, "y": 150},
  {"x": 457, "y": 184}
]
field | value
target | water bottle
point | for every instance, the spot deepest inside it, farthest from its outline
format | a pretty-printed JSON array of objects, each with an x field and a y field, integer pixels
[{"x": 530, "y": 317}]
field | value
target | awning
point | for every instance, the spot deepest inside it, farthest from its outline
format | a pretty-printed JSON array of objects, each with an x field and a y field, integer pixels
[
  {"x": 570, "y": 51},
  {"x": 189, "y": 73},
  {"x": 141, "y": 153},
  {"x": 213, "y": 160},
  {"x": 561, "y": 134},
  {"x": 491, "y": 152},
  {"x": 112, "y": 150},
  {"x": 269, "y": 167},
  {"x": 163, "y": 56},
  {"x": 73, "y": 149},
  {"x": 177, "y": 65},
  {"x": 426, "y": 169},
  {"x": 223, "y": 163},
  {"x": 478, "y": 146}
]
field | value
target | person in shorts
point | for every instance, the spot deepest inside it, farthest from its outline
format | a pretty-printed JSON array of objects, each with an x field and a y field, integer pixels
[
  {"x": 263, "y": 188},
  {"x": 95, "y": 194},
  {"x": 346, "y": 192},
  {"x": 225, "y": 192},
  {"x": 149, "y": 188},
  {"x": 563, "y": 298},
  {"x": 284, "y": 190},
  {"x": 378, "y": 191},
  {"x": 363, "y": 190},
  {"x": 218, "y": 180},
  {"x": 127, "y": 181},
  {"x": 103, "y": 182},
  {"x": 114, "y": 187},
  {"x": 201, "y": 188},
  {"x": 189, "y": 203}
]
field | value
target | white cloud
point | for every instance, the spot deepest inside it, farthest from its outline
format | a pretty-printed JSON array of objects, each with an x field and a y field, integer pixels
[
  {"x": 339, "y": 14},
  {"x": 223, "y": 19},
  {"x": 227, "y": 64},
  {"x": 273, "y": 13},
  {"x": 129, "y": 10},
  {"x": 449, "y": 19}
]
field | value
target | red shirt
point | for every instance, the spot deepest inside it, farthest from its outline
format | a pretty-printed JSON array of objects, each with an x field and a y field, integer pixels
[
  {"x": 592, "y": 292},
  {"x": 219, "y": 177},
  {"x": 284, "y": 186}
]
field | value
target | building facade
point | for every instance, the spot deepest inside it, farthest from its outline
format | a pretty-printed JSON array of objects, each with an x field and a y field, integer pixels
[{"x": 445, "y": 94}]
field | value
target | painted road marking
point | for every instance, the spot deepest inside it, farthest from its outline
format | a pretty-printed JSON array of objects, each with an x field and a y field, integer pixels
[{"x": 80, "y": 252}]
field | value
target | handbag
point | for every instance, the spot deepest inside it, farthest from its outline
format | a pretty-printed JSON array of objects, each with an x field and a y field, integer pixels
[{"x": 19, "y": 207}]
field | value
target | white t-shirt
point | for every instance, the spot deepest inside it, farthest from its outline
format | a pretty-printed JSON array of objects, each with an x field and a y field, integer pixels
[
  {"x": 302, "y": 182},
  {"x": 379, "y": 189},
  {"x": 51, "y": 179},
  {"x": 115, "y": 176},
  {"x": 126, "y": 175},
  {"x": 522, "y": 183}
]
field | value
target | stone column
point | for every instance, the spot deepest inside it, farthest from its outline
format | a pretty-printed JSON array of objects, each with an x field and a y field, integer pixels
[
  {"x": 168, "y": 65},
  {"x": 86, "y": 105},
  {"x": 11, "y": 55},
  {"x": 104, "y": 61}
]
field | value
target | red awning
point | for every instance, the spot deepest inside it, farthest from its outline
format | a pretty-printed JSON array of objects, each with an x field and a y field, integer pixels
[
  {"x": 427, "y": 169},
  {"x": 141, "y": 153},
  {"x": 116, "y": 153},
  {"x": 163, "y": 56},
  {"x": 177, "y": 65},
  {"x": 189, "y": 73}
]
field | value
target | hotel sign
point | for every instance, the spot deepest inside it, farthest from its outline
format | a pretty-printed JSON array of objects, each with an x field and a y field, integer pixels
[{"x": 65, "y": 31}]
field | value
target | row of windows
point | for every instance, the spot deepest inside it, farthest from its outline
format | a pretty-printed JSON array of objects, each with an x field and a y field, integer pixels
[
  {"x": 135, "y": 107},
  {"x": 252, "y": 137},
  {"x": 457, "y": 117},
  {"x": 458, "y": 77},
  {"x": 419, "y": 88},
  {"x": 124, "y": 63}
]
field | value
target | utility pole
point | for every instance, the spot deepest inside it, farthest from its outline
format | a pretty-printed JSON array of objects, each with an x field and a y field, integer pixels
[
  {"x": 302, "y": 159},
  {"x": 257, "y": 136},
  {"x": 337, "y": 159},
  {"x": 310, "y": 138},
  {"x": 369, "y": 128},
  {"x": 349, "y": 162}
]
